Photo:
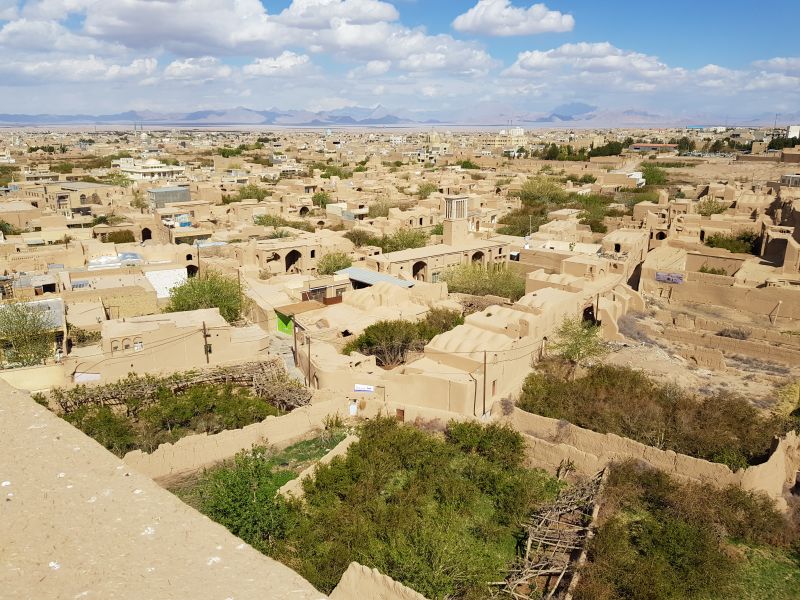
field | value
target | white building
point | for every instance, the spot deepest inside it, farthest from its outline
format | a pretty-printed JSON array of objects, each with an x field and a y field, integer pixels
[
  {"x": 793, "y": 131},
  {"x": 147, "y": 170}
]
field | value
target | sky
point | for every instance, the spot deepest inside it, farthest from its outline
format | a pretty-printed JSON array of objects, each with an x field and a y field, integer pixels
[{"x": 418, "y": 58}]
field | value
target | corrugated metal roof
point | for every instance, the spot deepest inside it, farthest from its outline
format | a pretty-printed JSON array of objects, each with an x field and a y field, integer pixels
[{"x": 373, "y": 277}]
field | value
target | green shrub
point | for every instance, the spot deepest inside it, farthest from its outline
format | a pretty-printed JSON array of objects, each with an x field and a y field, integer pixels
[
  {"x": 426, "y": 189},
  {"x": 654, "y": 175},
  {"x": 124, "y": 236},
  {"x": 113, "y": 431},
  {"x": 709, "y": 207},
  {"x": 401, "y": 240},
  {"x": 667, "y": 540},
  {"x": 620, "y": 400},
  {"x": 479, "y": 280},
  {"x": 437, "y": 229},
  {"x": 418, "y": 508},
  {"x": 333, "y": 262},
  {"x": 321, "y": 199},
  {"x": 743, "y": 243},
  {"x": 391, "y": 341},
  {"x": 210, "y": 289}
]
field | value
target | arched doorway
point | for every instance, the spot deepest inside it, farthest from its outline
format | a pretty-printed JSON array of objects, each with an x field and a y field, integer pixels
[
  {"x": 661, "y": 235},
  {"x": 303, "y": 211},
  {"x": 191, "y": 270},
  {"x": 146, "y": 234},
  {"x": 477, "y": 257},
  {"x": 418, "y": 270},
  {"x": 292, "y": 259}
]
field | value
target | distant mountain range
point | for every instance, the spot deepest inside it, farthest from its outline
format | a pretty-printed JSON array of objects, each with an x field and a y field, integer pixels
[{"x": 574, "y": 114}]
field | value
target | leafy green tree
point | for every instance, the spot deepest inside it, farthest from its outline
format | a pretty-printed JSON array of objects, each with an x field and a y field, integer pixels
[
  {"x": 654, "y": 175},
  {"x": 437, "y": 229},
  {"x": 114, "y": 431},
  {"x": 139, "y": 202},
  {"x": 333, "y": 262},
  {"x": 210, "y": 289},
  {"x": 321, "y": 199},
  {"x": 578, "y": 341},
  {"x": 26, "y": 331},
  {"x": 7, "y": 228},
  {"x": 251, "y": 191},
  {"x": 388, "y": 341},
  {"x": 710, "y": 206},
  {"x": 119, "y": 179},
  {"x": 426, "y": 189},
  {"x": 743, "y": 243}
]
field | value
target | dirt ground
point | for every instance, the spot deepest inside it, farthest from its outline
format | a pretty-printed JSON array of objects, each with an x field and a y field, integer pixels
[{"x": 726, "y": 169}]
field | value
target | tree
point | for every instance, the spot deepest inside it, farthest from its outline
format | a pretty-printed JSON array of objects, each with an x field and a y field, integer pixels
[
  {"x": 139, "y": 201},
  {"x": 27, "y": 331},
  {"x": 654, "y": 175},
  {"x": 333, "y": 262},
  {"x": 211, "y": 289},
  {"x": 426, "y": 189},
  {"x": 250, "y": 191},
  {"x": 119, "y": 179},
  {"x": 7, "y": 228},
  {"x": 321, "y": 199},
  {"x": 709, "y": 207},
  {"x": 388, "y": 341},
  {"x": 578, "y": 341},
  {"x": 541, "y": 189}
]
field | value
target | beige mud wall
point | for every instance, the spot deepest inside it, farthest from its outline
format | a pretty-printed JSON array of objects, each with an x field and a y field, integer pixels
[
  {"x": 362, "y": 583},
  {"x": 78, "y": 522},
  {"x": 551, "y": 442}
]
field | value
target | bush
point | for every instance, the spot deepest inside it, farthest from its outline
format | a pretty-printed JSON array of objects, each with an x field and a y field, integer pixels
[
  {"x": 478, "y": 280},
  {"x": 578, "y": 341},
  {"x": 709, "y": 207},
  {"x": 124, "y": 236},
  {"x": 667, "y": 540},
  {"x": 401, "y": 240},
  {"x": 276, "y": 221},
  {"x": 437, "y": 229},
  {"x": 468, "y": 164},
  {"x": 654, "y": 175},
  {"x": 743, "y": 243},
  {"x": 333, "y": 262},
  {"x": 199, "y": 409},
  {"x": 542, "y": 189},
  {"x": 426, "y": 189},
  {"x": 721, "y": 428},
  {"x": 438, "y": 519},
  {"x": 391, "y": 341},
  {"x": 712, "y": 270},
  {"x": 210, "y": 289},
  {"x": 321, "y": 199}
]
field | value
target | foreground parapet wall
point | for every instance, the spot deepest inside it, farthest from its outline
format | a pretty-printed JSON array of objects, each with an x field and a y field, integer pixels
[{"x": 77, "y": 522}]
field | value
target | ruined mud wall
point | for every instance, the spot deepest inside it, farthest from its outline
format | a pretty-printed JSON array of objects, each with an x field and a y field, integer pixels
[{"x": 551, "y": 442}]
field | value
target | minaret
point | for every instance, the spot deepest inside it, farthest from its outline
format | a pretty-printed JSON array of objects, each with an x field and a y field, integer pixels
[{"x": 456, "y": 227}]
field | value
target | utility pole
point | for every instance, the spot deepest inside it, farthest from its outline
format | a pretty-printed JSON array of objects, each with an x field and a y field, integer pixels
[
  {"x": 484, "y": 383},
  {"x": 205, "y": 341},
  {"x": 308, "y": 338}
]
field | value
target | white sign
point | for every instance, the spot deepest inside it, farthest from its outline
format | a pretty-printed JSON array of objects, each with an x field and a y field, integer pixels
[{"x": 360, "y": 387}]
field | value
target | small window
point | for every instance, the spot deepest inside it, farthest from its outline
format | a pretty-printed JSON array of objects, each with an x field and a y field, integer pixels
[
  {"x": 114, "y": 346},
  {"x": 313, "y": 253},
  {"x": 208, "y": 348},
  {"x": 617, "y": 248},
  {"x": 434, "y": 278},
  {"x": 494, "y": 387},
  {"x": 400, "y": 414},
  {"x": 138, "y": 346}
]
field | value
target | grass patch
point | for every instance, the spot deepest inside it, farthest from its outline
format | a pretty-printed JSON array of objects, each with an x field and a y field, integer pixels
[{"x": 768, "y": 572}]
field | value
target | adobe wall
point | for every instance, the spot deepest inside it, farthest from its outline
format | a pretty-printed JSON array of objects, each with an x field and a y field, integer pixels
[
  {"x": 35, "y": 379},
  {"x": 360, "y": 583},
  {"x": 756, "y": 349},
  {"x": 550, "y": 442},
  {"x": 196, "y": 452},
  {"x": 761, "y": 301}
]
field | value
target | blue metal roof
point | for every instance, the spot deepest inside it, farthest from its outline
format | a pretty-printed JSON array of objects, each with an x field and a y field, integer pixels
[{"x": 373, "y": 277}]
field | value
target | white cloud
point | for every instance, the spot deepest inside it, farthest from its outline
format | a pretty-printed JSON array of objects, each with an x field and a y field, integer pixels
[
  {"x": 49, "y": 36},
  {"x": 197, "y": 69},
  {"x": 373, "y": 68},
  {"x": 501, "y": 18},
  {"x": 315, "y": 14},
  {"x": 287, "y": 63},
  {"x": 780, "y": 64},
  {"x": 8, "y": 10},
  {"x": 86, "y": 69}
]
